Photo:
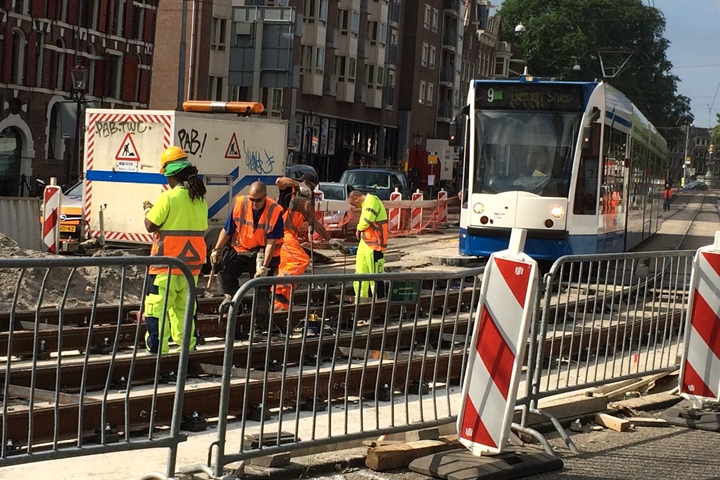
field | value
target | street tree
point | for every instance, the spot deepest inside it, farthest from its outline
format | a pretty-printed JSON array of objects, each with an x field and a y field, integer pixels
[{"x": 563, "y": 33}]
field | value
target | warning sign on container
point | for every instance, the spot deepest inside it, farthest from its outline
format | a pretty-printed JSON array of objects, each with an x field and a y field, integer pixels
[
  {"x": 233, "y": 149},
  {"x": 127, "y": 152}
]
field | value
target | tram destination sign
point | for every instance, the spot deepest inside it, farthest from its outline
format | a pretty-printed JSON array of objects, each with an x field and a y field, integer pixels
[{"x": 529, "y": 96}]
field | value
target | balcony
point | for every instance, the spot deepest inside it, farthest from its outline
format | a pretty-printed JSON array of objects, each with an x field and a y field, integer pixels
[
  {"x": 447, "y": 76},
  {"x": 360, "y": 94},
  {"x": 450, "y": 39},
  {"x": 445, "y": 111},
  {"x": 452, "y": 7},
  {"x": 374, "y": 97},
  {"x": 346, "y": 91}
]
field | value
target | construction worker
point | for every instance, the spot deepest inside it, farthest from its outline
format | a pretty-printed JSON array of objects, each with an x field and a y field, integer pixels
[
  {"x": 289, "y": 188},
  {"x": 178, "y": 219},
  {"x": 256, "y": 228},
  {"x": 298, "y": 218},
  {"x": 372, "y": 230}
]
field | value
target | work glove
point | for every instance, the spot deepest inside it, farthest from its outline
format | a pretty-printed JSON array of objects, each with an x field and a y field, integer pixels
[
  {"x": 215, "y": 256},
  {"x": 335, "y": 244},
  {"x": 304, "y": 191},
  {"x": 262, "y": 272}
]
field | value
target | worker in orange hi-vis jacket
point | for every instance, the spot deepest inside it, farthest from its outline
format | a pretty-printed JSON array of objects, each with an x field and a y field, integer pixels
[{"x": 298, "y": 218}]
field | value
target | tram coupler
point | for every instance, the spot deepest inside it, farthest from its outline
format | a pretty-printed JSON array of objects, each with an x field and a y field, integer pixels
[
  {"x": 43, "y": 353},
  {"x": 195, "y": 422},
  {"x": 308, "y": 405}
]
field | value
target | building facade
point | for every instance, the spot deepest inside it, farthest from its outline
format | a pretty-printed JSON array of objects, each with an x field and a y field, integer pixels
[
  {"x": 691, "y": 161},
  {"x": 41, "y": 43},
  {"x": 348, "y": 60}
]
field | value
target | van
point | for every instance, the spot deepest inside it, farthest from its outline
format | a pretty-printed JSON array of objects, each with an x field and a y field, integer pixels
[{"x": 381, "y": 182}]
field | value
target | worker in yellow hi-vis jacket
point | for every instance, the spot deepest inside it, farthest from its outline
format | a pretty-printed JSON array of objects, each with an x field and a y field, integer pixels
[
  {"x": 178, "y": 219},
  {"x": 372, "y": 231}
]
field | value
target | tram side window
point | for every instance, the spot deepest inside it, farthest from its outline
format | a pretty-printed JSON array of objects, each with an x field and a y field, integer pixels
[
  {"x": 586, "y": 189},
  {"x": 613, "y": 172}
]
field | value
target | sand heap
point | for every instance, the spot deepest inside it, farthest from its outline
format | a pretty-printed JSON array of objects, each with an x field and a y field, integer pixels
[{"x": 80, "y": 285}]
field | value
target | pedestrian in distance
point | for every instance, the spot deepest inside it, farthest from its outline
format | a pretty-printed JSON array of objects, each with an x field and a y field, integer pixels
[
  {"x": 372, "y": 231},
  {"x": 178, "y": 221},
  {"x": 667, "y": 196},
  {"x": 254, "y": 228}
]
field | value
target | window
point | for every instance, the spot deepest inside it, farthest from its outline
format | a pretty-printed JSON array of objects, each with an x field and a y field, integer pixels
[
  {"x": 138, "y": 21},
  {"x": 369, "y": 74},
  {"x": 320, "y": 61},
  {"x": 322, "y": 17},
  {"x": 305, "y": 58},
  {"x": 21, "y": 6},
  {"x": 215, "y": 88},
  {"x": 380, "y": 77},
  {"x": 424, "y": 58},
  {"x": 234, "y": 95},
  {"x": 343, "y": 17},
  {"x": 372, "y": 32},
  {"x": 17, "y": 72},
  {"x": 383, "y": 34},
  {"x": 426, "y": 20},
  {"x": 91, "y": 70},
  {"x": 55, "y": 140},
  {"x": 430, "y": 93},
  {"x": 309, "y": 9},
  {"x": 435, "y": 15},
  {"x": 499, "y": 67},
  {"x": 355, "y": 25},
  {"x": 276, "y": 99},
  {"x": 421, "y": 97},
  {"x": 218, "y": 33},
  {"x": 118, "y": 19},
  {"x": 95, "y": 15},
  {"x": 345, "y": 68},
  {"x": 60, "y": 74},
  {"x": 138, "y": 79},
  {"x": 114, "y": 76},
  {"x": 39, "y": 54},
  {"x": 64, "y": 11},
  {"x": 431, "y": 59},
  {"x": 352, "y": 63}
]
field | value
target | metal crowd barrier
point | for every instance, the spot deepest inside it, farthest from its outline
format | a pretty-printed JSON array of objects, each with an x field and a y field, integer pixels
[
  {"x": 337, "y": 372},
  {"x": 607, "y": 318},
  {"x": 44, "y": 415}
]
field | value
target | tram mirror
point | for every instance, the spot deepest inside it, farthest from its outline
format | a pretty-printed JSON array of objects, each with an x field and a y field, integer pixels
[{"x": 587, "y": 133}]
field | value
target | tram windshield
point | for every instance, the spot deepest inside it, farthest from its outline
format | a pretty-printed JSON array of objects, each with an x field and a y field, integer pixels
[{"x": 528, "y": 151}]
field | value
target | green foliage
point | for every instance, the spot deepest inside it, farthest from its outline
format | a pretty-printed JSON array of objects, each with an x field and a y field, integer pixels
[{"x": 562, "y": 33}]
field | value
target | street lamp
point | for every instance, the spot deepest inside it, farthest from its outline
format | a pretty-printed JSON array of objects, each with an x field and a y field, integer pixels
[
  {"x": 79, "y": 76},
  {"x": 709, "y": 176},
  {"x": 520, "y": 28}
]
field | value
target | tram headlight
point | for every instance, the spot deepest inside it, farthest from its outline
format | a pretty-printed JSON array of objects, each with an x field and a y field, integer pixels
[
  {"x": 557, "y": 212},
  {"x": 478, "y": 208}
]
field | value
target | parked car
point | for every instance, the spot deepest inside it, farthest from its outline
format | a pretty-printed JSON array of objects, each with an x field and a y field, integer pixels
[
  {"x": 71, "y": 212},
  {"x": 298, "y": 170},
  {"x": 337, "y": 220},
  {"x": 378, "y": 181},
  {"x": 695, "y": 185}
]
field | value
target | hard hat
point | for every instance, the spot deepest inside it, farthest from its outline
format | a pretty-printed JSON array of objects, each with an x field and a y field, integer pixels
[{"x": 171, "y": 154}]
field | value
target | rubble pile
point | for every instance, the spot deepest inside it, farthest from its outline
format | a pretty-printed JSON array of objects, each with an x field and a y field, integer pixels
[{"x": 80, "y": 284}]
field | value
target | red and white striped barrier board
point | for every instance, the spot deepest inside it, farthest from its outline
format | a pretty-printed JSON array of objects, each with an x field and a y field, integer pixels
[
  {"x": 52, "y": 199},
  {"x": 700, "y": 369},
  {"x": 507, "y": 298},
  {"x": 442, "y": 206},
  {"x": 394, "y": 213},
  {"x": 416, "y": 213}
]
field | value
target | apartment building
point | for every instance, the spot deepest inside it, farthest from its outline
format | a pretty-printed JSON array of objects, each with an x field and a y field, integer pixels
[
  {"x": 349, "y": 58},
  {"x": 697, "y": 155},
  {"x": 42, "y": 42}
]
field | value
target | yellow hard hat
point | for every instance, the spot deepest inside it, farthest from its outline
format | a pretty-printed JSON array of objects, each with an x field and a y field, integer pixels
[{"x": 171, "y": 154}]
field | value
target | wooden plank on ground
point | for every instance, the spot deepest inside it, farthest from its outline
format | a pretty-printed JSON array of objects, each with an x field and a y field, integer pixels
[
  {"x": 20, "y": 391},
  {"x": 613, "y": 423},
  {"x": 236, "y": 372},
  {"x": 388, "y": 457},
  {"x": 648, "y": 422},
  {"x": 636, "y": 386},
  {"x": 570, "y": 407}
]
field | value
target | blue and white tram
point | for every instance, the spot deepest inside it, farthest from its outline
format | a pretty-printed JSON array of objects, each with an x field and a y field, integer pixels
[{"x": 576, "y": 164}]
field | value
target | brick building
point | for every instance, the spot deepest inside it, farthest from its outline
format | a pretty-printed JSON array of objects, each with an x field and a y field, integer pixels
[
  {"x": 344, "y": 51},
  {"x": 698, "y": 143},
  {"x": 41, "y": 42}
]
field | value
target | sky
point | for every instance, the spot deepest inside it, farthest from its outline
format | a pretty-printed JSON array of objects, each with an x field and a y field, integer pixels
[{"x": 693, "y": 29}]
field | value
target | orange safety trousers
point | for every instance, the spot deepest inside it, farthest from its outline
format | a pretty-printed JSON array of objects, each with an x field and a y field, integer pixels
[{"x": 293, "y": 261}]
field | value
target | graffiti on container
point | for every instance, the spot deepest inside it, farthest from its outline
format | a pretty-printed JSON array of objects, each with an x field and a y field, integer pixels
[
  {"x": 255, "y": 162},
  {"x": 192, "y": 141},
  {"x": 105, "y": 129}
]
